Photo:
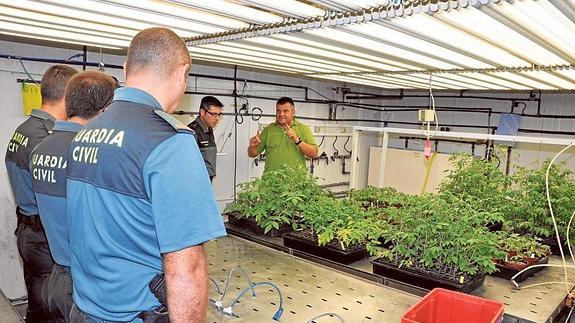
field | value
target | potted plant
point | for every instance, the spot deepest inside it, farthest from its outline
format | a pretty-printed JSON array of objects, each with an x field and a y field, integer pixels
[
  {"x": 330, "y": 232},
  {"x": 531, "y": 214},
  {"x": 480, "y": 183},
  {"x": 436, "y": 243},
  {"x": 272, "y": 204},
  {"x": 520, "y": 252}
]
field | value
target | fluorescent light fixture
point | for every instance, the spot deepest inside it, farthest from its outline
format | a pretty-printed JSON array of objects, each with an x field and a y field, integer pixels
[
  {"x": 252, "y": 58},
  {"x": 85, "y": 25},
  {"x": 417, "y": 44},
  {"x": 568, "y": 73},
  {"x": 233, "y": 10},
  {"x": 290, "y": 7},
  {"x": 388, "y": 50},
  {"x": 79, "y": 33},
  {"x": 333, "y": 52},
  {"x": 283, "y": 53},
  {"x": 407, "y": 80},
  {"x": 472, "y": 83},
  {"x": 542, "y": 19},
  {"x": 532, "y": 84},
  {"x": 552, "y": 79},
  {"x": 436, "y": 30},
  {"x": 61, "y": 35},
  {"x": 82, "y": 16},
  {"x": 58, "y": 40},
  {"x": 353, "y": 4},
  {"x": 122, "y": 16},
  {"x": 253, "y": 52},
  {"x": 210, "y": 58},
  {"x": 496, "y": 80},
  {"x": 356, "y": 80},
  {"x": 185, "y": 12},
  {"x": 476, "y": 22}
]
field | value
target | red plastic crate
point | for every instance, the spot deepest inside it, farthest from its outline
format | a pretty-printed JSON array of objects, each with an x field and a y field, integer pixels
[{"x": 445, "y": 306}]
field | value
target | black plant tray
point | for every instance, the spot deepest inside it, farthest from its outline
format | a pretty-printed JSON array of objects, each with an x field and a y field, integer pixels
[
  {"x": 421, "y": 279},
  {"x": 506, "y": 272},
  {"x": 252, "y": 225},
  {"x": 306, "y": 242},
  {"x": 494, "y": 226},
  {"x": 552, "y": 243}
]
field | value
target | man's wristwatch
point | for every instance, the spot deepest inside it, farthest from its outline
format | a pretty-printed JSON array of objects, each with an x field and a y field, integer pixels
[{"x": 299, "y": 141}]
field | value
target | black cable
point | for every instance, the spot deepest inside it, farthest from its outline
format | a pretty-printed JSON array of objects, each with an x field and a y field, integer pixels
[
  {"x": 345, "y": 145},
  {"x": 321, "y": 142},
  {"x": 257, "y": 116},
  {"x": 27, "y": 73},
  {"x": 333, "y": 145}
]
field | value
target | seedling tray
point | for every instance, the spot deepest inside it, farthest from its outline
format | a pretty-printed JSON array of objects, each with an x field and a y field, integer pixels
[
  {"x": 507, "y": 272},
  {"x": 306, "y": 242},
  {"x": 251, "y": 224},
  {"x": 425, "y": 280}
]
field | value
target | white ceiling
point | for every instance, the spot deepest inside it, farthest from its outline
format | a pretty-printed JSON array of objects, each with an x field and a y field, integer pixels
[{"x": 450, "y": 44}]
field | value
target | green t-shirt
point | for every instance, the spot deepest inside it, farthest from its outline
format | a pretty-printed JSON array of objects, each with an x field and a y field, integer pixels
[{"x": 280, "y": 150}]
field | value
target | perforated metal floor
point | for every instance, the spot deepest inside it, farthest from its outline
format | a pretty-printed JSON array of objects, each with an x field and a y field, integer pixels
[
  {"x": 536, "y": 304},
  {"x": 308, "y": 289}
]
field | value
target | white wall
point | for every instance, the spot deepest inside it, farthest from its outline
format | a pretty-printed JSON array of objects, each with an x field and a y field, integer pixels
[{"x": 11, "y": 116}]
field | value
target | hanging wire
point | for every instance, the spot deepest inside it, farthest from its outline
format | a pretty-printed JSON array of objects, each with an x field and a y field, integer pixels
[
  {"x": 333, "y": 145},
  {"x": 345, "y": 145},
  {"x": 26, "y": 71}
]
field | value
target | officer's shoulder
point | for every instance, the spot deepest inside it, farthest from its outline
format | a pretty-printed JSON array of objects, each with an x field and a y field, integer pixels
[{"x": 177, "y": 125}]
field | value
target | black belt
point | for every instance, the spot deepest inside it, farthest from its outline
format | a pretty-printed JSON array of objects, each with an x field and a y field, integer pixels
[{"x": 30, "y": 220}]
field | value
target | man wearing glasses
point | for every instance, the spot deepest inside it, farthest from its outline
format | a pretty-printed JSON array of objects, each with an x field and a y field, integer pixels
[{"x": 210, "y": 115}]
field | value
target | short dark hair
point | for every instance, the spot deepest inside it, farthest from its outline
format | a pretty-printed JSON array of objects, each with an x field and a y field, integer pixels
[
  {"x": 210, "y": 101},
  {"x": 159, "y": 50},
  {"x": 54, "y": 81},
  {"x": 87, "y": 93},
  {"x": 284, "y": 100}
]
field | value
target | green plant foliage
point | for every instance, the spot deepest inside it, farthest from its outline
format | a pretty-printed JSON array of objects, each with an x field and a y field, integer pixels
[
  {"x": 531, "y": 212},
  {"x": 521, "y": 247},
  {"x": 480, "y": 183},
  {"x": 331, "y": 219},
  {"x": 278, "y": 197}
]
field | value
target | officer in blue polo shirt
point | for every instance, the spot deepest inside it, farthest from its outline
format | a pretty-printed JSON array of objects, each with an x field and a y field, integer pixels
[
  {"x": 30, "y": 237},
  {"x": 86, "y": 96},
  {"x": 140, "y": 202}
]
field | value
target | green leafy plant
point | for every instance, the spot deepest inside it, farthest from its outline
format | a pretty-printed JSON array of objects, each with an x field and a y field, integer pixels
[
  {"x": 480, "y": 183},
  {"x": 439, "y": 236},
  {"x": 276, "y": 198},
  {"x": 531, "y": 213}
]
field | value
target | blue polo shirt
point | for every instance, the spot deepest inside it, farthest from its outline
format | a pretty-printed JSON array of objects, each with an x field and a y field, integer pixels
[
  {"x": 137, "y": 188},
  {"x": 22, "y": 142},
  {"x": 48, "y": 168}
]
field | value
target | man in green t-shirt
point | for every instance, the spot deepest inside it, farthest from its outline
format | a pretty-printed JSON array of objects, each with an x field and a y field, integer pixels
[{"x": 286, "y": 141}]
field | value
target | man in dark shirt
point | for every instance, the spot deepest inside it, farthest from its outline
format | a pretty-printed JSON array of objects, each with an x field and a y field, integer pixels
[
  {"x": 30, "y": 237},
  {"x": 87, "y": 95},
  {"x": 210, "y": 114}
]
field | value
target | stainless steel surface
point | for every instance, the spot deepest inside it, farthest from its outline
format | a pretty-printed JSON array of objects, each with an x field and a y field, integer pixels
[
  {"x": 308, "y": 289},
  {"x": 7, "y": 311}
]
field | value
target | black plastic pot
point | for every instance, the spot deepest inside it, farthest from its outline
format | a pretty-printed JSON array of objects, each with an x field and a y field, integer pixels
[
  {"x": 251, "y": 224},
  {"x": 507, "y": 272},
  {"x": 422, "y": 279},
  {"x": 306, "y": 242}
]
